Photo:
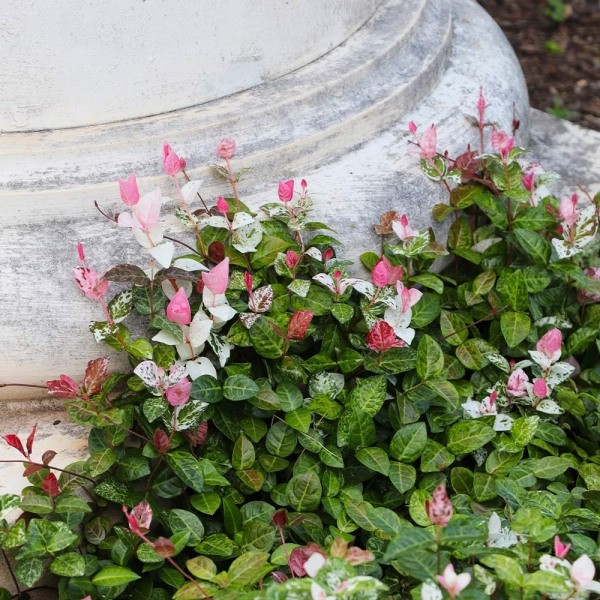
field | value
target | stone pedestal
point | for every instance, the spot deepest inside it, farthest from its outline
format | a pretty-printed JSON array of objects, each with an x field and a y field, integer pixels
[{"x": 320, "y": 89}]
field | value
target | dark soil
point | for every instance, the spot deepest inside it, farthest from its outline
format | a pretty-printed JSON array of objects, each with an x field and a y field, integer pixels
[{"x": 557, "y": 43}]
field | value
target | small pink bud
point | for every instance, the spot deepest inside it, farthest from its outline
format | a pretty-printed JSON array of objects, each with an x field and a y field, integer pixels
[
  {"x": 178, "y": 310},
  {"x": 380, "y": 274},
  {"x": 540, "y": 388},
  {"x": 226, "y": 149},
  {"x": 291, "y": 259},
  {"x": 303, "y": 184},
  {"x": 222, "y": 205},
  {"x": 328, "y": 254},
  {"x": 172, "y": 163},
  {"x": 567, "y": 210},
  {"x": 337, "y": 274},
  {"x": 80, "y": 252},
  {"x": 528, "y": 180},
  {"x": 179, "y": 393},
  {"x": 402, "y": 228},
  {"x": 560, "y": 550},
  {"x": 481, "y": 106},
  {"x": 129, "y": 190},
  {"x": 248, "y": 282},
  {"x": 439, "y": 508},
  {"x": 285, "y": 190},
  {"x": 412, "y": 127},
  {"x": 550, "y": 344}
]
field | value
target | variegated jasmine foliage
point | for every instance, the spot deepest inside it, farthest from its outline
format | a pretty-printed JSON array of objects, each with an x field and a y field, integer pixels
[{"x": 294, "y": 428}]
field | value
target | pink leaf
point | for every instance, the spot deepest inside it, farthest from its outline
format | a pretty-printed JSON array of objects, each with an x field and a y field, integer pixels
[
  {"x": 129, "y": 190},
  {"x": 298, "y": 324},
  {"x": 285, "y": 190},
  {"x": 226, "y": 149},
  {"x": 178, "y": 310},
  {"x": 380, "y": 274},
  {"x": 95, "y": 375},
  {"x": 50, "y": 485},
  {"x": 217, "y": 279},
  {"x": 381, "y": 337},
  {"x": 64, "y": 387},
  {"x": 29, "y": 443},
  {"x": 179, "y": 393},
  {"x": 13, "y": 440}
]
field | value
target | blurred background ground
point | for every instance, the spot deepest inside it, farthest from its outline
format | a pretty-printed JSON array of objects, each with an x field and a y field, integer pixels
[{"x": 557, "y": 43}]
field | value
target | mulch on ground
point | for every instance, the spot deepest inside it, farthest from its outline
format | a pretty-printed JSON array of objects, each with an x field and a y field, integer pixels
[{"x": 560, "y": 59}]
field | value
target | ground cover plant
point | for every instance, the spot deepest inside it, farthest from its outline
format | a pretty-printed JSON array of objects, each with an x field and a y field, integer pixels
[{"x": 290, "y": 430}]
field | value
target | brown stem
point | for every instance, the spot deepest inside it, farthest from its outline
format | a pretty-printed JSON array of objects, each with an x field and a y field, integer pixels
[
  {"x": 37, "y": 464},
  {"x": 113, "y": 219},
  {"x": 167, "y": 237}
]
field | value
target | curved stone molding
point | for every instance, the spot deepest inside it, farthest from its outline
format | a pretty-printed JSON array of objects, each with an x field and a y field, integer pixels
[
  {"x": 350, "y": 143},
  {"x": 305, "y": 118},
  {"x": 70, "y": 63}
]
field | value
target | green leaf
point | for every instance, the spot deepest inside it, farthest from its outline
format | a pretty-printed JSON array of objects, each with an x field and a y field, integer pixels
[
  {"x": 318, "y": 301},
  {"x": 464, "y": 530},
  {"x": 342, "y": 312},
  {"x": 39, "y": 504},
  {"x": 494, "y": 208},
  {"x": 299, "y": 419},
  {"x": 454, "y": 328},
  {"x": 161, "y": 322},
  {"x": 403, "y": 477},
  {"x": 114, "y": 576},
  {"x": 202, "y": 568},
  {"x": 251, "y": 478},
  {"x": 141, "y": 348},
  {"x": 265, "y": 339},
  {"x": 435, "y": 457},
  {"x": 409, "y": 442},
  {"x": 546, "y": 582},
  {"x": 247, "y": 569},
  {"x": 524, "y": 429},
  {"x": 206, "y": 502},
  {"x": 426, "y": 310},
  {"x": 281, "y": 440},
  {"x": 511, "y": 286},
  {"x": 206, "y": 389},
  {"x": 100, "y": 462},
  {"x": 243, "y": 455},
  {"x": 258, "y": 536},
  {"x": 429, "y": 280},
  {"x": 349, "y": 360},
  {"x": 484, "y": 283},
  {"x": 184, "y": 521},
  {"x": 29, "y": 571},
  {"x": 534, "y": 245},
  {"x": 375, "y": 459},
  {"x": 355, "y": 428},
  {"x": 70, "y": 564},
  {"x": 466, "y": 436},
  {"x": 187, "y": 468},
  {"x": 471, "y": 356},
  {"x": 515, "y": 327},
  {"x": 407, "y": 542},
  {"x": 369, "y": 394},
  {"x": 290, "y": 396},
  {"x": 331, "y": 456},
  {"x": 484, "y": 486},
  {"x": 430, "y": 358},
  {"x": 239, "y": 387},
  {"x": 550, "y": 467},
  {"x": 267, "y": 251},
  {"x": 304, "y": 491},
  {"x": 507, "y": 568}
]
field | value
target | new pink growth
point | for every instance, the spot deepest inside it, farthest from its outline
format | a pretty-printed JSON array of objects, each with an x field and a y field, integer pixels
[
  {"x": 129, "y": 190},
  {"x": 502, "y": 142},
  {"x": 248, "y": 282},
  {"x": 408, "y": 296},
  {"x": 395, "y": 272},
  {"x": 568, "y": 209},
  {"x": 582, "y": 572},
  {"x": 528, "y": 180},
  {"x": 517, "y": 384},
  {"x": 380, "y": 274},
  {"x": 560, "y": 550},
  {"x": 65, "y": 387},
  {"x": 540, "y": 388},
  {"x": 439, "y": 508},
  {"x": 140, "y": 517},
  {"x": 285, "y": 190},
  {"x": 226, "y": 149},
  {"x": 172, "y": 163},
  {"x": 585, "y": 297},
  {"x": 381, "y": 337},
  {"x": 427, "y": 143},
  {"x": 481, "y": 106},
  {"x": 179, "y": 393},
  {"x": 550, "y": 345},
  {"x": 178, "y": 310},
  {"x": 412, "y": 127},
  {"x": 217, "y": 279},
  {"x": 222, "y": 205},
  {"x": 144, "y": 215},
  {"x": 291, "y": 259},
  {"x": 454, "y": 584},
  {"x": 402, "y": 228},
  {"x": 88, "y": 281}
]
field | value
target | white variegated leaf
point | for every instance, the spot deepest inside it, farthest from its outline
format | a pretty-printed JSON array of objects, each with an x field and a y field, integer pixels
[
  {"x": 222, "y": 313},
  {"x": 217, "y": 221},
  {"x": 565, "y": 250},
  {"x": 300, "y": 287},
  {"x": 200, "y": 366},
  {"x": 559, "y": 372},
  {"x": 406, "y": 334},
  {"x": 472, "y": 408},
  {"x": 430, "y": 591},
  {"x": 164, "y": 337},
  {"x": 315, "y": 253},
  {"x": 163, "y": 253},
  {"x": 190, "y": 190},
  {"x": 261, "y": 299},
  {"x": 540, "y": 359},
  {"x": 248, "y": 319},
  {"x": 221, "y": 348},
  {"x": 325, "y": 280},
  {"x": 199, "y": 329},
  {"x": 365, "y": 288},
  {"x": 190, "y": 414},
  {"x": 499, "y": 361},
  {"x": 101, "y": 330},
  {"x": 189, "y": 264},
  {"x": 241, "y": 219},
  {"x": 557, "y": 321},
  {"x": 148, "y": 240},
  {"x": 247, "y": 238},
  {"x": 170, "y": 291},
  {"x": 503, "y": 422},
  {"x": 176, "y": 374},
  {"x": 150, "y": 374},
  {"x": 549, "y": 407},
  {"x": 330, "y": 384}
]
